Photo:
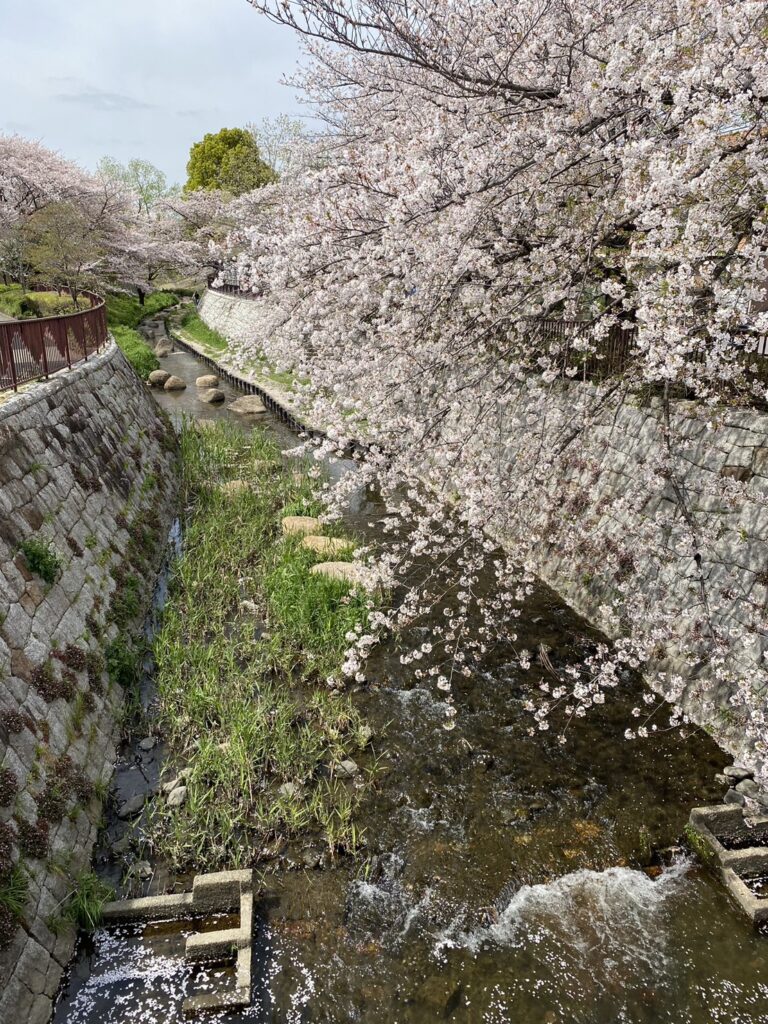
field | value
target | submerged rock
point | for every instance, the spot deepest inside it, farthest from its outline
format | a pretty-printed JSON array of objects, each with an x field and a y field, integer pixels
[
  {"x": 208, "y": 380},
  {"x": 212, "y": 396},
  {"x": 133, "y": 805},
  {"x": 177, "y": 796},
  {"x": 143, "y": 869},
  {"x": 174, "y": 383},
  {"x": 296, "y": 526},
  {"x": 157, "y": 378},
  {"x": 326, "y": 545},
  {"x": 310, "y": 859},
  {"x": 122, "y": 845},
  {"x": 732, "y": 797},
  {"x": 248, "y": 405},
  {"x": 148, "y": 743}
]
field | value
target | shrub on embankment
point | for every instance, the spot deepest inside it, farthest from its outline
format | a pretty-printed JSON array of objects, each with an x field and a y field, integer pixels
[
  {"x": 127, "y": 311},
  {"x": 136, "y": 350},
  {"x": 124, "y": 313}
]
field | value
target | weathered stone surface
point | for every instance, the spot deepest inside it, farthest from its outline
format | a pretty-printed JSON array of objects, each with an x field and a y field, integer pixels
[
  {"x": 346, "y": 769},
  {"x": 157, "y": 378},
  {"x": 133, "y": 806},
  {"x": 326, "y": 545},
  {"x": 67, "y": 479},
  {"x": 212, "y": 396},
  {"x": 348, "y": 572},
  {"x": 177, "y": 796},
  {"x": 300, "y": 525},
  {"x": 248, "y": 405},
  {"x": 208, "y": 380},
  {"x": 174, "y": 383},
  {"x": 163, "y": 348}
]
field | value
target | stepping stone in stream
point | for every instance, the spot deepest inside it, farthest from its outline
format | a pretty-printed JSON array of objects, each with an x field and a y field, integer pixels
[
  {"x": 157, "y": 378},
  {"x": 164, "y": 347},
  {"x": 248, "y": 405},
  {"x": 297, "y": 526},
  {"x": 208, "y": 380},
  {"x": 213, "y": 396},
  {"x": 327, "y": 545},
  {"x": 174, "y": 383},
  {"x": 347, "y": 572}
]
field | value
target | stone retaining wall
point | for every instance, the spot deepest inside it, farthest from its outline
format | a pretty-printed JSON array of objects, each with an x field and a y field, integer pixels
[{"x": 87, "y": 472}]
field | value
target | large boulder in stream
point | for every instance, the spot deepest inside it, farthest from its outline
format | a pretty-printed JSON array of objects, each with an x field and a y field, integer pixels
[
  {"x": 208, "y": 380},
  {"x": 248, "y": 405},
  {"x": 164, "y": 347},
  {"x": 174, "y": 383},
  {"x": 212, "y": 396},
  {"x": 157, "y": 378}
]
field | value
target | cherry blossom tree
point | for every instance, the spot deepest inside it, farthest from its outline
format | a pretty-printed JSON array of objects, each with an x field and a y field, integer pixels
[
  {"x": 75, "y": 229},
  {"x": 487, "y": 165}
]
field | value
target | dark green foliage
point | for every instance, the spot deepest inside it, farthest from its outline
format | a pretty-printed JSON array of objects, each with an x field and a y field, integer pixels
[
  {"x": 122, "y": 663},
  {"x": 45, "y": 682},
  {"x": 9, "y": 787},
  {"x": 127, "y": 311},
  {"x": 136, "y": 351},
  {"x": 126, "y": 601},
  {"x": 12, "y": 721},
  {"x": 33, "y": 839},
  {"x": 7, "y": 837},
  {"x": 41, "y": 559},
  {"x": 73, "y": 657},
  {"x": 85, "y": 904},
  {"x": 14, "y": 892},
  {"x": 229, "y": 160}
]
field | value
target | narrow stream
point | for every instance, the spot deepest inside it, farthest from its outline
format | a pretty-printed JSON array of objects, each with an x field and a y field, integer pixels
[{"x": 507, "y": 878}]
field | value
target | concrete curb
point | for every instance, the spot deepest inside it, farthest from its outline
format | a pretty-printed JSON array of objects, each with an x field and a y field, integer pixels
[
  {"x": 215, "y": 893},
  {"x": 710, "y": 825}
]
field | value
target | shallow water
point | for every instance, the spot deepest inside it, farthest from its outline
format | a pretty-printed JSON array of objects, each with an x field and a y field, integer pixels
[{"x": 506, "y": 878}]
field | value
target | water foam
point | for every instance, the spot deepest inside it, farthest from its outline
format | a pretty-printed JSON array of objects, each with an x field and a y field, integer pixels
[{"x": 614, "y": 916}]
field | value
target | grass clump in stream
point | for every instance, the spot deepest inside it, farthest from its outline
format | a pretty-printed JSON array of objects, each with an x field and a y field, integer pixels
[{"x": 248, "y": 641}]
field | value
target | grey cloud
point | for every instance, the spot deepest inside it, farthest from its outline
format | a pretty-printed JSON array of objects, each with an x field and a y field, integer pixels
[{"x": 100, "y": 99}]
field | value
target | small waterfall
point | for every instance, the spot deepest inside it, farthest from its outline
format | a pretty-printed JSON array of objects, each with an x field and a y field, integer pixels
[{"x": 611, "y": 917}]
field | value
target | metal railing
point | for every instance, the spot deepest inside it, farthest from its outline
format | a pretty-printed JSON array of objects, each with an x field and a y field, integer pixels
[
  {"x": 230, "y": 289},
  {"x": 569, "y": 345},
  {"x": 34, "y": 349}
]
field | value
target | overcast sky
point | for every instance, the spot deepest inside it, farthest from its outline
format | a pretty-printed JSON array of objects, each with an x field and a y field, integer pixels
[{"x": 139, "y": 78}]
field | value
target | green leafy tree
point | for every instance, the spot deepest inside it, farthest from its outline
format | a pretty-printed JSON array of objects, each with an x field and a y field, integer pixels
[
  {"x": 229, "y": 161},
  {"x": 147, "y": 182}
]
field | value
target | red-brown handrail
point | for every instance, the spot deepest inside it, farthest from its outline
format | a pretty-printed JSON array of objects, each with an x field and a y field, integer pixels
[{"x": 34, "y": 349}]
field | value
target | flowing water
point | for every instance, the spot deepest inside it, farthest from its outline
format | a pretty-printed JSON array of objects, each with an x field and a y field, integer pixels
[{"x": 507, "y": 878}]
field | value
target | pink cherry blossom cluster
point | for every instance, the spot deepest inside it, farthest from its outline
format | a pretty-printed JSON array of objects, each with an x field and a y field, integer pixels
[{"x": 486, "y": 163}]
